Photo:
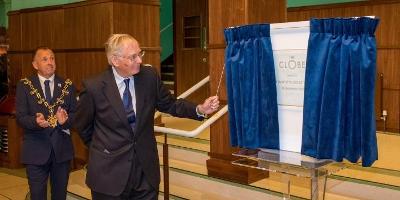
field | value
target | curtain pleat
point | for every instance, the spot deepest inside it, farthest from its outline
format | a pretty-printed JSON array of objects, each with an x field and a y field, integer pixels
[
  {"x": 251, "y": 87},
  {"x": 339, "y": 117}
]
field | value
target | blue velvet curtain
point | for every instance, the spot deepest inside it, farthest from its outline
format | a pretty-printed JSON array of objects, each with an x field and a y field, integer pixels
[
  {"x": 339, "y": 117},
  {"x": 251, "y": 87}
]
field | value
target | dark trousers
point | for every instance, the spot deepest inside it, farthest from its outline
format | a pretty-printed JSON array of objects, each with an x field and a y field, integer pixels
[
  {"x": 38, "y": 176},
  {"x": 137, "y": 188}
]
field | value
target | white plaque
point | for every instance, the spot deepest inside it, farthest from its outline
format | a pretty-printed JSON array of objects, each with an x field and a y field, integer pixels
[
  {"x": 289, "y": 45},
  {"x": 290, "y": 67}
]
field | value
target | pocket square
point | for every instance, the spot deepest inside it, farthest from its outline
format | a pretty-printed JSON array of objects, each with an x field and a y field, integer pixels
[{"x": 106, "y": 151}]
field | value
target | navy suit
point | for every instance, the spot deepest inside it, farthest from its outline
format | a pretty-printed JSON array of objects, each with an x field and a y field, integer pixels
[
  {"x": 45, "y": 150},
  {"x": 113, "y": 145}
]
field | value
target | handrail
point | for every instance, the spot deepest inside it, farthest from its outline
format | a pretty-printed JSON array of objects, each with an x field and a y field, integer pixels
[
  {"x": 194, "y": 88},
  {"x": 200, "y": 128},
  {"x": 188, "y": 92},
  {"x": 196, "y": 131}
]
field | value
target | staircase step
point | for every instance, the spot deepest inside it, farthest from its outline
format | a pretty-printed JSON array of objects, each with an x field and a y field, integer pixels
[
  {"x": 167, "y": 68},
  {"x": 189, "y": 185},
  {"x": 170, "y": 85},
  {"x": 186, "y": 159},
  {"x": 167, "y": 76},
  {"x": 190, "y": 143}
]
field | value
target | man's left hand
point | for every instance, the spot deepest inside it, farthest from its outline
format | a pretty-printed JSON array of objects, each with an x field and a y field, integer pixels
[
  {"x": 210, "y": 105},
  {"x": 61, "y": 115}
]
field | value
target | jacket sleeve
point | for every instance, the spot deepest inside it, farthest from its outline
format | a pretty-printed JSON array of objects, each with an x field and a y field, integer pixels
[
  {"x": 167, "y": 103},
  {"x": 25, "y": 119},
  {"x": 85, "y": 115}
]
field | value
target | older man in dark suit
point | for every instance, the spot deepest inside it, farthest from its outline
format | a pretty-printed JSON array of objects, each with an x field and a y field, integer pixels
[
  {"x": 115, "y": 119},
  {"x": 45, "y": 106}
]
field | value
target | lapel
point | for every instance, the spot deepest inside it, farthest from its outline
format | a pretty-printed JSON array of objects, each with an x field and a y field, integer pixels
[
  {"x": 139, "y": 93},
  {"x": 111, "y": 92},
  {"x": 36, "y": 84}
]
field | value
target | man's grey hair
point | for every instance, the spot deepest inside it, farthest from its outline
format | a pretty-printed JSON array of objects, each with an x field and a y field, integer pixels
[{"x": 115, "y": 43}]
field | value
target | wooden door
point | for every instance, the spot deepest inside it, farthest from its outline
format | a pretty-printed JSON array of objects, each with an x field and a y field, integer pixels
[{"x": 191, "y": 57}]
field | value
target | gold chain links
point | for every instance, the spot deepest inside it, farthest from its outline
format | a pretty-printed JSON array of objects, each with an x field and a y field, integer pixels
[{"x": 60, "y": 100}]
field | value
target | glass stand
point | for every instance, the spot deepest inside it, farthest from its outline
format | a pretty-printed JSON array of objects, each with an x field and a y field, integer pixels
[{"x": 290, "y": 164}]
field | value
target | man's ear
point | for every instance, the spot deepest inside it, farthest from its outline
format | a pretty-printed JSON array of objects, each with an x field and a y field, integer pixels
[
  {"x": 114, "y": 60},
  {"x": 34, "y": 64}
]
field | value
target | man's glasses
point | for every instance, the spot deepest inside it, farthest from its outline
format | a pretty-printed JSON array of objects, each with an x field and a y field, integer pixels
[{"x": 133, "y": 57}]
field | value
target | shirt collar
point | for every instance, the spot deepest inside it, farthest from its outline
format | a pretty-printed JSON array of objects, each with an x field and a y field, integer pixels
[
  {"x": 42, "y": 79},
  {"x": 118, "y": 78}
]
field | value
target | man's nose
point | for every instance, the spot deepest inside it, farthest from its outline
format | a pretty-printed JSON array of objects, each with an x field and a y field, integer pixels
[{"x": 139, "y": 59}]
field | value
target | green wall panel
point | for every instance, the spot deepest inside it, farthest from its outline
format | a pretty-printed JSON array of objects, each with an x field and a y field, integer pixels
[
  {"x": 21, "y": 4},
  {"x": 5, "y": 6},
  {"x": 299, "y": 3},
  {"x": 166, "y": 29},
  {"x": 2, "y": 15}
]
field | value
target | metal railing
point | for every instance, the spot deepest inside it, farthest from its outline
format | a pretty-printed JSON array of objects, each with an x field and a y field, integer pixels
[{"x": 200, "y": 128}]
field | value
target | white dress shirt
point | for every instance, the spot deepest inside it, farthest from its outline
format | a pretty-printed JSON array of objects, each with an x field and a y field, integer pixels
[
  {"x": 119, "y": 80},
  {"x": 51, "y": 79}
]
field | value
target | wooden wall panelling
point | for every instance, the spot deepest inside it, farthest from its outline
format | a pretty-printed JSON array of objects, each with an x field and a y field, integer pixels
[
  {"x": 388, "y": 32},
  {"x": 26, "y": 65},
  {"x": 388, "y": 61},
  {"x": 191, "y": 73},
  {"x": 61, "y": 64},
  {"x": 391, "y": 100},
  {"x": 14, "y": 30},
  {"x": 134, "y": 18},
  {"x": 11, "y": 159},
  {"x": 82, "y": 65},
  {"x": 87, "y": 26},
  {"x": 257, "y": 11},
  {"x": 138, "y": 20},
  {"x": 191, "y": 57},
  {"x": 14, "y": 143},
  {"x": 218, "y": 20},
  {"x": 45, "y": 28},
  {"x": 217, "y": 55}
]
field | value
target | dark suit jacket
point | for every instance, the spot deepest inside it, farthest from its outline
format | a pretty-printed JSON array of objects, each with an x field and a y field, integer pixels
[
  {"x": 102, "y": 124},
  {"x": 37, "y": 141}
]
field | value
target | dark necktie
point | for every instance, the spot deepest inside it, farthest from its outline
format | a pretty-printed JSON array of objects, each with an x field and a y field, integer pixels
[
  {"x": 47, "y": 92},
  {"x": 127, "y": 100}
]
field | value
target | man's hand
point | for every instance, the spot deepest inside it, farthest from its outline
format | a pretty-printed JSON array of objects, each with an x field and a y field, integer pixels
[
  {"x": 61, "y": 115},
  {"x": 41, "y": 121},
  {"x": 210, "y": 105}
]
